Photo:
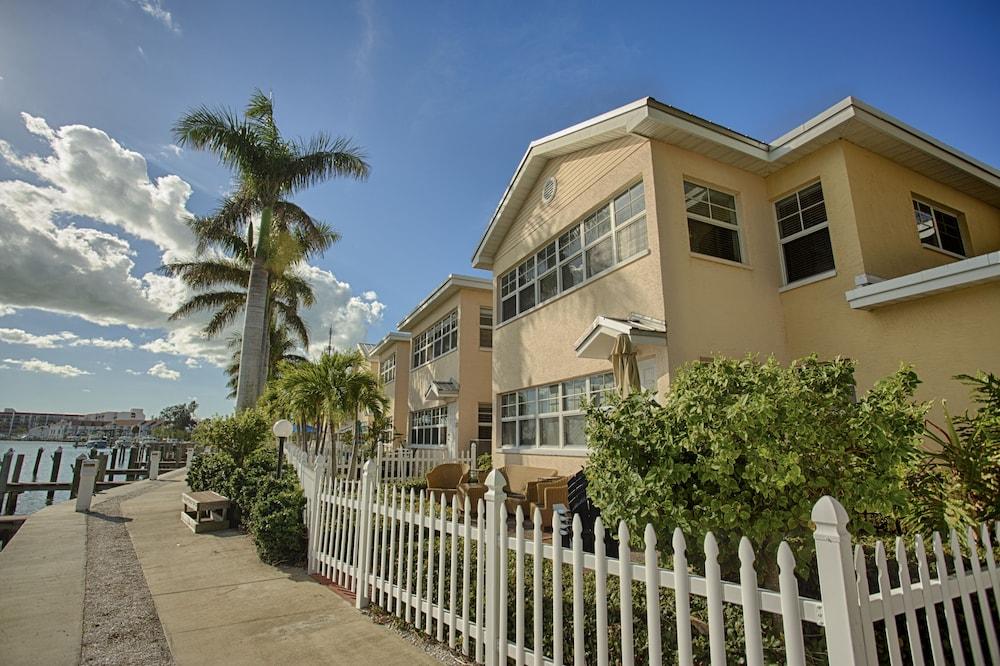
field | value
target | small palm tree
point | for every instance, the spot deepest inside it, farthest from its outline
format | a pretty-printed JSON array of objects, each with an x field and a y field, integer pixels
[{"x": 268, "y": 169}]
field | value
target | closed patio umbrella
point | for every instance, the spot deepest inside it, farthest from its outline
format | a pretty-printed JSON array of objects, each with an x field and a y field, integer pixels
[{"x": 625, "y": 367}]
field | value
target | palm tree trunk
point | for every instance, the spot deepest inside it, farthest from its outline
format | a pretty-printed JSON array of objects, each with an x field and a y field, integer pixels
[
  {"x": 265, "y": 367},
  {"x": 255, "y": 324}
]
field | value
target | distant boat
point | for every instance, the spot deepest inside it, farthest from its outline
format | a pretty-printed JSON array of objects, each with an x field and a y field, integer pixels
[{"x": 96, "y": 443}]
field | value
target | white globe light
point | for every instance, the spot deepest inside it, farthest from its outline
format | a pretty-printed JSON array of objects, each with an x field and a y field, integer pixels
[{"x": 282, "y": 428}]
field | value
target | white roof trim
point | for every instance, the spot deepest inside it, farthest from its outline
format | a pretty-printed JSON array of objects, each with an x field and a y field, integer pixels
[
  {"x": 600, "y": 337},
  {"x": 450, "y": 285},
  {"x": 393, "y": 336},
  {"x": 957, "y": 275},
  {"x": 646, "y": 116},
  {"x": 436, "y": 390}
]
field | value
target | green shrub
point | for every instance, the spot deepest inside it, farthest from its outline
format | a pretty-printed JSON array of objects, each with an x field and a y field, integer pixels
[
  {"x": 276, "y": 525},
  {"x": 957, "y": 483},
  {"x": 416, "y": 485},
  {"x": 484, "y": 463},
  {"x": 212, "y": 471},
  {"x": 238, "y": 435},
  {"x": 740, "y": 447}
]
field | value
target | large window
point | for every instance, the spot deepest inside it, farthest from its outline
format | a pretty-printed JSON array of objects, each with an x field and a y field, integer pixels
[
  {"x": 608, "y": 236},
  {"x": 429, "y": 426},
  {"x": 437, "y": 340},
  {"x": 805, "y": 234},
  {"x": 712, "y": 224},
  {"x": 486, "y": 328},
  {"x": 551, "y": 416},
  {"x": 387, "y": 369},
  {"x": 938, "y": 228}
]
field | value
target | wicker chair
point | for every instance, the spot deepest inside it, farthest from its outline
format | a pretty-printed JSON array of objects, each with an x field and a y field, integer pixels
[
  {"x": 444, "y": 479},
  {"x": 521, "y": 483},
  {"x": 548, "y": 494}
]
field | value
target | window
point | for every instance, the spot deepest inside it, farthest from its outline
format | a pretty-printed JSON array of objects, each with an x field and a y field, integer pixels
[
  {"x": 712, "y": 225},
  {"x": 437, "y": 340},
  {"x": 485, "y": 422},
  {"x": 805, "y": 234},
  {"x": 486, "y": 327},
  {"x": 608, "y": 236},
  {"x": 387, "y": 369},
  {"x": 388, "y": 434},
  {"x": 937, "y": 228},
  {"x": 429, "y": 426},
  {"x": 551, "y": 416}
]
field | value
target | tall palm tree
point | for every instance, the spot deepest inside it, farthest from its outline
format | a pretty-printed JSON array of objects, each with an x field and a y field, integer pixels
[
  {"x": 269, "y": 169},
  {"x": 282, "y": 349},
  {"x": 223, "y": 265}
]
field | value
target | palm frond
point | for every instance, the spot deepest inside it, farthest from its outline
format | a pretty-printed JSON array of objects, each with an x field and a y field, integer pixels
[
  {"x": 221, "y": 131},
  {"x": 208, "y": 301},
  {"x": 206, "y": 273},
  {"x": 323, "y": 158}
]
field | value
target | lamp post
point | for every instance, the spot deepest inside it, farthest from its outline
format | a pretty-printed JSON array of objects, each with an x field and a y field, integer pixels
[{"x": 282, "y": 430}]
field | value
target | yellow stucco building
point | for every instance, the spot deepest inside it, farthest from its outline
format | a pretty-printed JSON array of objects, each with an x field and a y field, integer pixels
[
  {"x": 852, "y": 235},
  {"x": 436, "y": 370}
]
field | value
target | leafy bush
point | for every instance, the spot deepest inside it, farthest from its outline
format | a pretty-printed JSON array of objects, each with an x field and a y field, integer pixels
[
  {"x": 484, "y": 463},
  {"x": 238, "y": 435},
  {"x": 276, "y": 526},
  {"x": 957, "y": 483},
  {"x": 746, "y": 448},
  {"x": 417, "y": 484},
  {"x": 269, "y": 508},
  {"x": 212, "y": 472}
]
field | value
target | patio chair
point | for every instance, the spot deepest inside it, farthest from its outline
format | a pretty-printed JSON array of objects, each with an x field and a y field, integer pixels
[
  {"x": 521, "y": 483},
  {"x": 444, "y": 479},
  {"x": 549, "y": 493}
]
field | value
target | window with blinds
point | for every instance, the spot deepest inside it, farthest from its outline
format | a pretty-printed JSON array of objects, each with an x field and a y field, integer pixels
[
  {"x": 938, "y": 228},
  {"x": 712, "y": 224},
  {"x": 805, "y": 234}
]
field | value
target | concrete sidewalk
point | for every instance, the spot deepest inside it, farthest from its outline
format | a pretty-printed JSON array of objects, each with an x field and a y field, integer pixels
[{"x": 219, "y": 604}]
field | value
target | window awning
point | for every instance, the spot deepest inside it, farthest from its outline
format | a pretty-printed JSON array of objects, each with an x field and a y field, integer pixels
[
  {"x": 956, "y": 275},
  {"x": 599, "y": 339},
  {"x": 441, "y": 390}
]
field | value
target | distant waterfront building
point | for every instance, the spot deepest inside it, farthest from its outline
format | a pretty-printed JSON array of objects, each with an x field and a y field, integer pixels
[{"x": 59, "y": 425}]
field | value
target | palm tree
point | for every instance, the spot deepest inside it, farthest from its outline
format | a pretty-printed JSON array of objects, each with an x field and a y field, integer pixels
[
  {"x": 282, "y": 349},
  {"x": 226, "y": 278},
  {"x": 336, "y": 387},
  {"x": 268, "y": 168}
]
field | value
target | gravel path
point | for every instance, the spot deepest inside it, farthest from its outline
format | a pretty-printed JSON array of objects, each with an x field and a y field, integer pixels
[{"x": 120, "y": 624}]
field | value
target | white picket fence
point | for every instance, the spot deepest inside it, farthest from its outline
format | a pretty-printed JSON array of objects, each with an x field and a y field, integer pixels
[
  {"x": 446, "y": 572},
  {"x": 401, "y": 464}
]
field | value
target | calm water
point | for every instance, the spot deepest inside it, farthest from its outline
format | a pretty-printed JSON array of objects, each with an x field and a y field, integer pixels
[{"x": 33, "y": 501}]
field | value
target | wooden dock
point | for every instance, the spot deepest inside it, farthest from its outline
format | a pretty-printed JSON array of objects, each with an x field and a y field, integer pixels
[{"x": 116, "y": 467}]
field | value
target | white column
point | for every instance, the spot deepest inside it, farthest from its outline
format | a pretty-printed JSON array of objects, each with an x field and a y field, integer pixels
[
  {"x": 838, "y": 583},
  {"x": 190, "y": 457},
  {"x": 496, "y": 645},
  {"x": 85, "y": 492},
  {"x": 154, "y": 465}
]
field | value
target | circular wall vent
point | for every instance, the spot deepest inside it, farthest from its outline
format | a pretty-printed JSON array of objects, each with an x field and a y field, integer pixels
[{"x": 549, "y": 190}]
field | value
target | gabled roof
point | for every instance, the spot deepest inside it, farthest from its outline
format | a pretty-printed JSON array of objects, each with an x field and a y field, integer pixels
[
  {"x": 366, "y": 349},
  {"x": 391, "y": 337},
  {"x": 849, "y": 119},
  {"x": 441, "y": 390},
  {"x": 452, "y": 284},
  {"x": 599, "y": 339}
]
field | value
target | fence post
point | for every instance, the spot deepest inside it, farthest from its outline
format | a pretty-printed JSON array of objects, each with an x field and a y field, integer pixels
[
  {"x": 319, "y": 478},
  {"x": 838, "y": 583},
  {"x": 190, "y": 457},
  {"x": 85, "y": 492},
  {"x": 362, "y": 600},
  {"x": 496, "y": 652},
  {"x": 154, "y": 465}
]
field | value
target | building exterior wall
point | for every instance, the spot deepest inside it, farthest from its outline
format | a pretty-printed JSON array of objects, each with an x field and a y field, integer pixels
[
  {"x": 713, "y": 306},
  {"x": 396, "y": 391},
  {"x": 467, "y": 365}
]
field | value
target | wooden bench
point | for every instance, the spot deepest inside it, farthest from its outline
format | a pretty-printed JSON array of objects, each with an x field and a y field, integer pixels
[{"x": 206, "y": 511}]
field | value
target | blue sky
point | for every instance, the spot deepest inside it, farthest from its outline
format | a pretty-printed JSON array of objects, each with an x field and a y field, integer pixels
[{"x": 443, "y": 96}]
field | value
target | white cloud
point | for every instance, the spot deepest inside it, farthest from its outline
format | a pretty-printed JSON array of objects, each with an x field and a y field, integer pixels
[
  {"x": 155, "y": 9},
  {"x": 192, "y": 363},
  {"x": 16, "y": 336},
  {"x": 163, "y": 372},
  {"x": 142, "y": 54},
  {"x": 37, "y": 365},
  {"x": 6, "y": 310},
  {"x": 130, "y": 371},
  {"x": 173, "y": 149},
  {"x": 71, "y": 269}
]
